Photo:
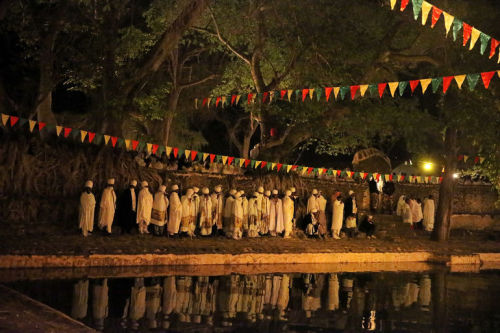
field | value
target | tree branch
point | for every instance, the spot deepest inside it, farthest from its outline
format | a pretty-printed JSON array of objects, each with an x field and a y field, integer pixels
[{"x": 195, "y": 83}]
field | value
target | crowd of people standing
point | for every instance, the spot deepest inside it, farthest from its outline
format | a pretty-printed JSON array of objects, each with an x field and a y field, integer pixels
[{"x": 418, "y": 214}]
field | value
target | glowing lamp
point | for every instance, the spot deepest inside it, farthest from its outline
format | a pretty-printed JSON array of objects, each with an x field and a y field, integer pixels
[{"x": 427, "y": 166}]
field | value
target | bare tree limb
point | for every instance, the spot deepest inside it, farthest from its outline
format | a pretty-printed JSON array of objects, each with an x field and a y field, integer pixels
[{"x": 198, "y": 82}]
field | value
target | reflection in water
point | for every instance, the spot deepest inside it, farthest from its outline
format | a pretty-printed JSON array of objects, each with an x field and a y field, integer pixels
[{"x": 361, "y": 302}]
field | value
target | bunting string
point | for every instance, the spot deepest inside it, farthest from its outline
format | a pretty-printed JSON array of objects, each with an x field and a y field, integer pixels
[
  {"x": 469, "y": 34},
  {"x": 436, "y": 84},
  {"x": 88, "y": 137}
]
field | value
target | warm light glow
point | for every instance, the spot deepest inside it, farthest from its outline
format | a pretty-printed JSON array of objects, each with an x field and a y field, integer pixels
[
  {"x": 456, "y": 175},
  {"x": 427, "y": 166}
]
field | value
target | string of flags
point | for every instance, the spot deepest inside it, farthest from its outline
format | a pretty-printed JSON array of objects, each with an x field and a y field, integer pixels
[
  {"x": 89, "y": 137},
  {"x": 340, "y": 92},
  {"x": 470, "y": 34},
  {"x": 475, "y": 159}
]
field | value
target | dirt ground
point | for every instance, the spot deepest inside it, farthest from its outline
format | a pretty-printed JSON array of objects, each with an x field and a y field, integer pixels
[{"x": 392, "y": 236}]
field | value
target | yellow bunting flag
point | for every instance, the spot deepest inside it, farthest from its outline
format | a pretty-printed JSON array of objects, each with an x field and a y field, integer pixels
[
  {"x": 288, "y": 167},
  {"x": 311, "y": 93},
  {"x": 205, "y": 156},
  {"x": 426, "y": 8},
  {"x": 304, "y": 169},
  {"x": 392, "y": 87},
  {"x": 224, "y": 99},
  {"x": 336, "y": 91},
  {"x": 393, "y": 4},
  {"x": 460, "y": 80},
  {"x": 387, "y": 177},
  {"x": 32, "y": 125},
  {"x": 237, "y": 99},
  {"x": 148, "y": 147},
  {"x": 362, "y": 89},
  {"x": 257, "y": 163},
  {"x": 289, "y": 94},
  {"x": 83, "y": 134},
  {"x": 400, "y": 178},
  {"x": 196, "y": 103},
  {"x": 224, "y": 159},
  {"x": 474, "y": 36},
  {"x": 320, "y": 171},
  {"x": 273, "y": 165},
  {"x": 242, "y": 161},
  {"x": 168, "y": 150},
  {"x": 4, "y": 119},
  {"x": 481, "y": 160},
  {"x": 187, "y": 152},
  {"x": 208, "y": 101},
  {"x": 59, "y": 129},
  {"x": 448, "y": 20},
  {"x": 127, "y": 144},
  {"x": 425, "y": 83},
  {"x": 466, "y": 157}
]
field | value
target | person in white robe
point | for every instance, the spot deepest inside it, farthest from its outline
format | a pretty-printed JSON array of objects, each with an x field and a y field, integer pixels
[
  {"x": 260, "y": 197},
  {"x": 217, "y": 209},
  {"x": 79, "y": 302},
  {"x": 333, "y": 292},
  {"x": 266, "y": 211},
  {"x": 429, "y": 213},
  {"x": 107, "y": 206},
  {"x": 407, "y": 213},
  {"x": 288, "y": 209},
  {"x": 337, "y": 216},
  {"x": 87, "y": 209},
  {"x": 174, "y": 212},
  {"x": 169, "y": 300},
  {"x": 206, "y": 222},
  {"x": 244, "y": 205},
  {"x": 159, "y": 212},
  {"x": 137, "y": 302},
  {"x": 253, "y": 211},
  {"x": 401, "y": 205},
  {"x": 144, "y": 208},
  {"x": 228, "y": 209},
  {"x": 100, "y": 303},
  {"x": 322, "y": 211},
  {"x": 424, "y": 292},
  {"x": 236, "y": 229},
  {"x": 275, "y": 214},
  {"x": 196, "y": 199},
  {"x": 313, "y": 202},
  {"x": 188, "y": 210}
]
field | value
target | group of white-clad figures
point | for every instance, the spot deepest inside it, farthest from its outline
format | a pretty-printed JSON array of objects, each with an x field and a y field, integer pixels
[
  {"x": 263, "y": 213},
  {"x": 418, "y": 214}
]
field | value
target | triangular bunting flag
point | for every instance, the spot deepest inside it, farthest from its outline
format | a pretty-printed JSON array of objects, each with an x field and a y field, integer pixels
[
  {"x": 230, "y": 160},
  {"x": 5, "y": 118},
  {"x": 481, "y": 160},
  {"x": 22, "y": 121},
  {"x": 457, "y": 25},
  {"x": 237, "y": 99},
  {"x": 91, "y": 136},
  {"x": 362, "y": 89},
  {"x": 448, "y": 20},
  {"x": 279, "y": 166},
  {"x": 446, "y": 83},
  {"x": 205, "y": 155},
  {"x": 250, "y": 98},
  {"x": 135, "y": 143},
  {"x": 354, "y": 89},
  {"x": 263, "y": 164},
  {"x": 273, "y": 165},
  {"x": 208, "y": 102},
  {"x": 487, "y": 76},
  {"x": 494, "y": 46},
  {"x": 304, "y": 93},
  {"x": 328, "y": 91},
  {"x": 59, "y": 130},
  {"x": 472, "y": 81},
  {"x": 319, "y": 92},
  {"x": 426, "y": 8},
  {"x": 242, "y": 161},
  {"x": 257, "y": 163},
  {"x": 309, "y": 170},
  {"x": 311, "y": 93},
  {"x": 373, "y": 90},
  {"x": 233, "y": 98},
  {"x": 224, "y": 101},
  {"x": 154, "y": 148},
  {"x": 288, "y": 167},
  {"x": 343, "y": 92},
  {"x": 392, "y": 87},
  {"x": 224, "y": 159},
  {"x": 474, "y": 37},
  {"x": 297, "y": 94},
  {"x": 425, "y": 83},
  {"x": 289, "y": 94},
  {"x": 466, "y": 33},
  {"x": 176, "y": 151},
  {"x": 149, "y": 146},
  {"x": 127, "y": 144},
  {"x": 247, "y": 162},
  {"x": 417, "y": 7},
  {"x": 212, "y": 158},
  {"x": 336, "y": 91},
  {"x": 106, "y": 139},
  {"x": 393, "y": 3},
  {"x": 402, "y": 87},
  {"x": 217, "y": 101},
  {"x": 264, "y": 96},
  {"x": 67, "y": 130},
  {"x": 180, "y": 152},
  {"x": 436, "y": 14},
  {"x": 414, "y": 85},
  {"x": 83, "y": 134},
  {"x": 187, "y": 153},
  {"x": 282, "y": 93},
  {"x": 404, "y": 3},
  {"x": 436, "y": 82},
  {"x": 41, "y": 125},
  {"x": 13, "y": 120},
  {"x": 204, "y": 102},
  {"x": 460, "y": 80},
  {"x": 381, "y": 89},
  {"x": 32, "y": 125},
  {"x": 193, "y": 154}
]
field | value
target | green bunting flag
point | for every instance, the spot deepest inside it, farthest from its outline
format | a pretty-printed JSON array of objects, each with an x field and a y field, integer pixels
[
  {"x": 373, "y": 90},
  {"x": 457, "y": 26},
  {"x": 417, "y": 7},
  {"x": 472, "y": 81},
  {"x": 402, "y": 87},
  {"x": 319, "y": 92},
  {"x": 436, "y": 82},
  {"x": 343, "y": 91},
  {"x": 484, "y": 41}
]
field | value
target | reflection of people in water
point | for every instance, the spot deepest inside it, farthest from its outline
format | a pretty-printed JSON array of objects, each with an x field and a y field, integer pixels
[
  {"x": 346, "y": 293},
  {"x": 153, "y": 302},
  {"x": 100, "y": 303},
  {"x": 137, "y": 303},
  {"x": 424, "y": 293},
  {"x": 80, "y": 299},
  {"x": 169, "y": 300}
]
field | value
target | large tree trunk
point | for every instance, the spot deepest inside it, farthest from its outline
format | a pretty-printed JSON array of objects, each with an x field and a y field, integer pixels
[
  {"x": 173, "y": 101},
  {"x": 447, "y": 188},
  {"x": 439, "y": 301},
  {"x": 43, "y": 108}
]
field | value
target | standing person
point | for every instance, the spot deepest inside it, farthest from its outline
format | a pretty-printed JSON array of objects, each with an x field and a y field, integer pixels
[
  {"x": 266, "y": 211},
  {"x": 228, "y": 209},
  {"x": 388, "y": 192},
  {"x": 260, "y": 198},
  {"x": 407, "y": 214},
  {"x": 429, "y": 213},
  {"x": 126, "y": 208},
  {"x": 196, "y": 199},
  {"x": 368, "y": 226},
  {"x": 312, "y": 202},
  {"x": 338, "y": 216},
  {"x": 253, "y": 211},
  {"x": 295, "y": 199},
  {"x": 87, "y": 209},
  {"x": 322, "y": 211},
  {"x": 100, "y": 303},
  {"x": 244, "y": 205},
  {"x": 235, "y": 230},
  {"x": 187, "y": 221},
  {"x": 288, "y": 209},
  {"x": 217, "y": 209},
  {"x": 107, "y": 206},
  {"x": 350, "y": 205},
  {"x": 206, "y": 221},
  {"x": 159, "y": 212},
  {"x": 275, "y": 214},
  {"x": 374, "y": 194},
  {"x": 175, "y": 212},
  {"x": 144, "y": 208},
  {"x": 420, "y": 215},
  {"x": 401, "y": 205}
]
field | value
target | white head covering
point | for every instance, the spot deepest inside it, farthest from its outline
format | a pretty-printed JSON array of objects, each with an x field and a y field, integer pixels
[
  {"x": 351, "y": 192},
  {"x": 315, "y": 191},
  {"x": 162, "y": 188},
  {"x": 175, "y": 187},
  {"x": 260, "y": 190},
  {"x": 196, "y": 189},
  {"x": 275, "y": 192},
  {"x": 267, "y": 193},
  {"x": 237, "y": 195},
  {"x": 232, "y": 192},
  {"x": 241, "y": 192},
  {"x": 189, "y": 192},
  {"x": 218, "y": 188},
  {"x": 255, "y": 194},
  {"x": 292, "y": 189},
  {"x": 288, "y": 193},
  {"x": 205, "y": 190},
  {"x": 133, "y": 182},
  {"x": 111, "y": 181},
  {"x": 144, "y": 183},
  {"x": 89, "y": 184}
]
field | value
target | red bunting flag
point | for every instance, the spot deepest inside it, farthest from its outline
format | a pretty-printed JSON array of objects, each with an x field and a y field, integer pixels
[
  {"x": 230, "y": 160},
  {"x": 279, "y": 166},
  {"x": 494, "y": 45},
  {"x": 414, "y": 85},
  {"x": 217, "y": 101},
  {"x": 446, "y": 83},
  {"x": 377, "y": 177},
  {"x": 487, "y": 76},
  {"x": 391, "y": 177},
  {"x": 247, "y": 162},
  {"x": 339, "y": 172},
  {"x": 91, "y": 136},
  {"x": 263, "y": 164},
  {"x": 467, "y": 32},
  {"x": 460, "y": 157},
  {"x": 176, "y": 152},
  {"x": 67, "y": 130},
  {"x": 41, "y": 125},
  {"x": 13, "y": 120},
  {"x": 264, "y": 96},
  {"x": 304, "y": 94},
  {"x": 204, "y": 102},
  {"x": 282, "y": 93},
  {"x": 309, "y": 170},
  {"x": 328, "y": 92},
  {"x": 114, "y": 139},
  {"x": 354, "y": 89},
  {"x": 436, "y": 14},
  {"x": 381, "y": 89},
  {"x": 404, "y": 3},
  {"x": 476, "y": 160},
  {"x": 135, "y": 143},
  {"x": 402, "y": 177},
  {"x": 193, "y": 154},
  {"x": 294, "y": 167},
  {"x": 440, "y": 179},
  {"x": 212, "y": 158},
  {"x": 154, "y": 148},
  {"x": 249, "y": 98},
  {"x": 233, "y": 98}
]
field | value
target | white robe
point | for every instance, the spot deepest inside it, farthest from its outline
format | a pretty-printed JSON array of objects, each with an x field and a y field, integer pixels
[
  {"x": 144, "y": 206},
  {"x": 288, "y": 215},
  {"x": 228, "y": 208},
  {"x": 175, "y": 214},
  {"x": 429, "y": 214},
  {"x": 312, "y": 203},
  {"x": 275, "y": 216},
  {"x": 338, "y": 215},
  {"x": 235, "y": 227},
  {"x": 86, "y": 214},
  {"x": 217, "y": 208},
  {"x": 188, "y": 211},
  {"x": 80, "y": 299},
  {"x": 206, "y": 221},
  {"x": 159, "y": 212},
  {"x": 100, "y": 300},
  {"x": 322, "y": 203},
  {"x": 253, "y": 211},
  {"x": 407, "y": 216},
  {"x": 401, "y": 206},
  {"x": 196, "y": 199},
  {"x": 169, "y": 295},
  {"x": 107, "y": 208}
]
